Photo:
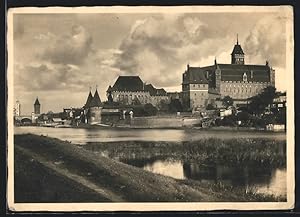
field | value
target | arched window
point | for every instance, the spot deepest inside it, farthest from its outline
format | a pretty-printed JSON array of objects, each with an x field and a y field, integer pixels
[{"x": 244, "y": 77}]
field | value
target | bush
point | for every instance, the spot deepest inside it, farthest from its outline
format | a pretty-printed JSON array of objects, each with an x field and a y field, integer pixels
[
  {"x": 144, "y": 110},
  {"x": 210, "y": 107},
  {"x": 150, "y": 110}
]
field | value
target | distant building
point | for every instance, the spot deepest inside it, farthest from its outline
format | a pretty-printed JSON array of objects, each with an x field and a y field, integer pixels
[
  {"x": 37, "y": 107},
  {"x": 130, "y": 90},
  {"x": 203, "y": 85},
  {"x": 17, "y": 109},
  {"x": 93, "y": 109}
]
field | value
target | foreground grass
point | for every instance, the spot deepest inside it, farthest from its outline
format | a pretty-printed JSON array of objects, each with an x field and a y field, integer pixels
[
  {"x": 51, "y": 170},
  {"x": 228, "y": 152}
]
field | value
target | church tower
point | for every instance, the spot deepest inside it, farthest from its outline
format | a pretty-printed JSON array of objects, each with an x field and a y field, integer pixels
[
  {"x": 237, "y": 55},
  {"x": 37, "y": 107}
]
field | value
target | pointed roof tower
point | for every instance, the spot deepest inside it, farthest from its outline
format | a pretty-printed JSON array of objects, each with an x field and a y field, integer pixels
[
  {"x": 237, "y": 55},
  {"x": 89, "y": 100},
  {"x": 237, "y": 48},
  {"x": 96, "y": 102},
  {"x": 37, "y": 101}
]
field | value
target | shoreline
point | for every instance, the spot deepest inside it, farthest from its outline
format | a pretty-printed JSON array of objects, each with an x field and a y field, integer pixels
[{"x": 225, "y": 129}]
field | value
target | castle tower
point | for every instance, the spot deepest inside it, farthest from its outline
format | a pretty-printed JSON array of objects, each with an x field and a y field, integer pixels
[
  {"x": 95, "y": 109},
  {"x": 18, "y": 108},
  {"x": 37, "y": 107},
  {"x": 237, "y": 55}
]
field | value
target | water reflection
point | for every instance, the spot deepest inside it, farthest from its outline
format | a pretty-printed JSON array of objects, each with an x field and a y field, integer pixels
[{"x": 261, "y": 179}]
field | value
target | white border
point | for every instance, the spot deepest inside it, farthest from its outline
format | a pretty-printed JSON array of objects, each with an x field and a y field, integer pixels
[{"x": 178, "y": 206}]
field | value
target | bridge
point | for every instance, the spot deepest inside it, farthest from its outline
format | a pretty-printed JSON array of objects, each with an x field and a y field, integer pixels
[{"x": 23, "y": 118}]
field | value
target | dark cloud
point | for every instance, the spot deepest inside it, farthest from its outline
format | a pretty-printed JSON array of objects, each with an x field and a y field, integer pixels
[
  {"x": 50, "y": 78},
  {"x": 70, "y": 48},
  {"x": 267, "y": 41}
]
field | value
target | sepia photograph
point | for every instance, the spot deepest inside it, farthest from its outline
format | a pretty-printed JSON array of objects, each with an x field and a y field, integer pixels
[{"x": 150, "y": 108}]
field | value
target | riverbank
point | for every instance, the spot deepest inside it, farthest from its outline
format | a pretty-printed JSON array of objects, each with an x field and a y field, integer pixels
[
  {"x": 235, "y": 151},
  {"x": 51, "y": 170}
]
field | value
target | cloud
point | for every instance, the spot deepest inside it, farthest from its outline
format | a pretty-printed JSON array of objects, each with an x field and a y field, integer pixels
[
  {"x": 158, "y": 48},
  {"x": 266, "y": 41},
  {"x": 49, "y": 77},
  {"x": 70, "y": 48}
]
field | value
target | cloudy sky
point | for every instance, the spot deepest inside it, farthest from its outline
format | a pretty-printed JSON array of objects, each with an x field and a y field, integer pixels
[{"x": 58, "y": 57}]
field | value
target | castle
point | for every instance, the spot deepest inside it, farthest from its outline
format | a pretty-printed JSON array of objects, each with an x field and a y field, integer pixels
[
  {"x": 206, "y": 85},
  {"x": 130, "y": 90}
]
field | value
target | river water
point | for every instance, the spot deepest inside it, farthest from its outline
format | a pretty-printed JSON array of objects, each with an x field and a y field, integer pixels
[
  {"x": 261, "y": 179},
  {"x": 83, "y": 136}
]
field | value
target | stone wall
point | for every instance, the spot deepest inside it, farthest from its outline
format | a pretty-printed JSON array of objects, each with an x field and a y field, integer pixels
[{"x": 242, "y": 90}]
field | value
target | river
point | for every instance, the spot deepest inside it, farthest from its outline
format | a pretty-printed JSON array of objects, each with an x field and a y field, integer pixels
[
  {"x": 261, "y": 179},
  {"x": 83, "y": 136}
]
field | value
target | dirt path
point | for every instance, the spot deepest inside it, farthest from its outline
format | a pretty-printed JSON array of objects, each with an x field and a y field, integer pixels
[{"x": 63, "y": 171}]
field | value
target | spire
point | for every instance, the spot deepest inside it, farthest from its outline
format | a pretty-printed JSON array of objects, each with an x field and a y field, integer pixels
[
  {"x": 96, "y": 102},
  {"x": 237, "y": 39},
  {"x": 215, "y": 60},
  {"x": 37, "y": 101},
  {"x": 89, "y": 99}
]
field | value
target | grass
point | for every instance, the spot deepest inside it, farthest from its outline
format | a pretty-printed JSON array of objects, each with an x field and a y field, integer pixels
[{"x": 229, "y": 152}]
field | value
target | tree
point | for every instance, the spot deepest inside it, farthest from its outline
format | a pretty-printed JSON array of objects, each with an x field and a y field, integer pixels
[
  {"x": 227, "y": 101},
  {"x": 259, "y": 102},
  {"x": 163, "y": 106},
  {"x": 175, "y": 106},
  {"x": 150, "y": 110},
  {"x": 210, "y": 107}
]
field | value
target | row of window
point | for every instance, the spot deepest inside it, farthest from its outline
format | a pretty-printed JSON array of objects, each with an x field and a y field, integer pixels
[
  {"x": 201, "y": 94},
  {"x": 238, "y": 90},
  {"x": 199, "y": 85},
  {"x": 249, "y": 82},
  {"x": 131, "y": 96}
]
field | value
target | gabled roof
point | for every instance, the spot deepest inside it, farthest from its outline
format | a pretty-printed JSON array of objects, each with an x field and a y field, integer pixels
[
  {"x": 128, "y": 83},
  {"x": 37, "y": 102},
  {"x": 235, "y": 72},
  {"x": 195, "y": 75},
  {"x": 150, "y": 88},
  {"x": 96, "y": 102},
  {"x": 237, "y": 49},
  {"x": 154, "y": 91},
  {"x": 88, "y": 101},
  {"x": 161, "y": 92}
]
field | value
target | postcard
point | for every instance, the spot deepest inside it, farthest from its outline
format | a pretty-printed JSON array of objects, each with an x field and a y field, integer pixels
[{"x": 150, "y": 108}]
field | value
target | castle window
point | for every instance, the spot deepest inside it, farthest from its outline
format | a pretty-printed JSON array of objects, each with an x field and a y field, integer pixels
[{"x": 244, "y": 77}]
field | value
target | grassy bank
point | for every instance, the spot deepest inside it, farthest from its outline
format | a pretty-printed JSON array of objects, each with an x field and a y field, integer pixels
[
  {"x": 228, "y": 152},
  {"x": 51, "y": 170}
]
